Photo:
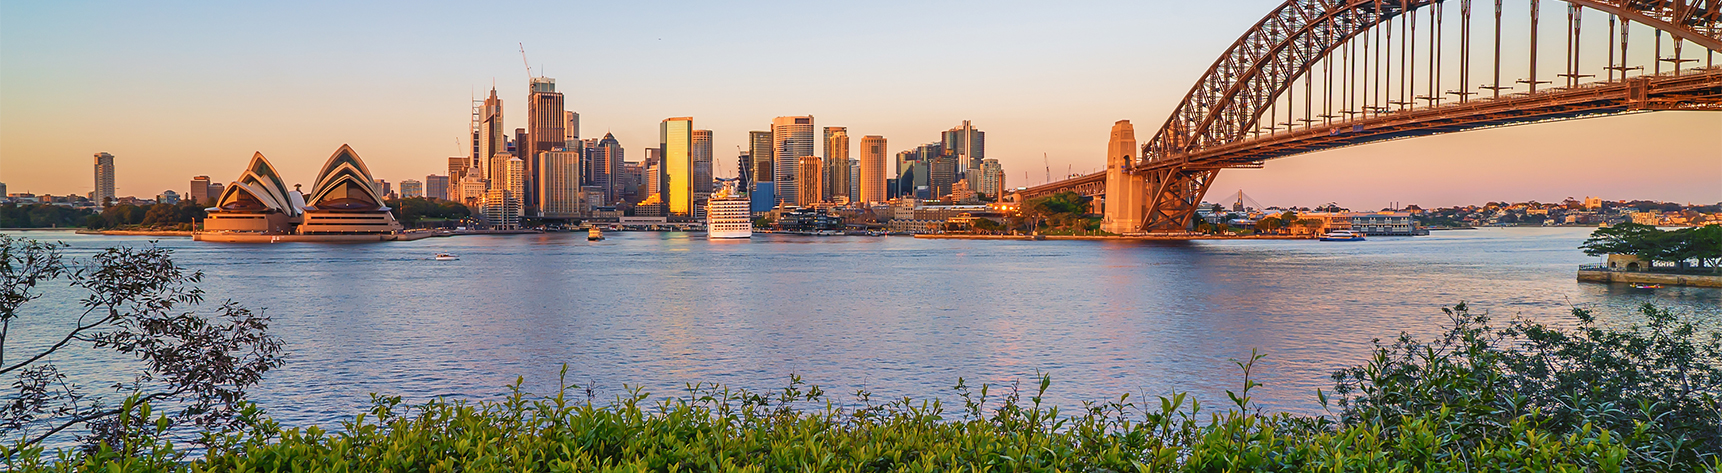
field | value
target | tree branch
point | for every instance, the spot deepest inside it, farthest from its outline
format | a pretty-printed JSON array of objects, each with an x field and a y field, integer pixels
[{"x": 57, "y": 346}]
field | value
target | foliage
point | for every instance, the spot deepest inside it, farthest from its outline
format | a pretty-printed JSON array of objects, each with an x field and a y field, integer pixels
[
  {"x": 179, "y": 216},
  {"x": 1062, "y": 213},
  {"x": 413, "y": 210},
  {"x": 1526, "y": 398},
  {"x": 41, "y": 216},
  {"x": 1653, "y": 389},
  {"x": 1698, "y": 244},
  {"x": 136, "y": 305}
]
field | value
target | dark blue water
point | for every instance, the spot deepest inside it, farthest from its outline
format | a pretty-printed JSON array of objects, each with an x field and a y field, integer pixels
[{"x": 896, "y": 316}]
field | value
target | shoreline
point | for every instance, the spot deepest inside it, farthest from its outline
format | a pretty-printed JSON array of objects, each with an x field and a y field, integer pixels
[
  {"x": 1116, "y": 238},
  {"x": 1630, "y": 277}
]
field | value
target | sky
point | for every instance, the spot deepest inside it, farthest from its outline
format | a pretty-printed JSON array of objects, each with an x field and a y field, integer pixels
[{"x": 178, "y": 89}]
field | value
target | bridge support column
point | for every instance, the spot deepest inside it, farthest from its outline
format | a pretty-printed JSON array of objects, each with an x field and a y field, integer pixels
[
  {"x": 1125, "y": 190},
  {"x": 1173, "y": 194}
]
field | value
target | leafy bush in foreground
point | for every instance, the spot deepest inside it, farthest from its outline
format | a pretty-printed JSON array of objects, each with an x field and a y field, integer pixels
[{"x": 1525, "y": 398}]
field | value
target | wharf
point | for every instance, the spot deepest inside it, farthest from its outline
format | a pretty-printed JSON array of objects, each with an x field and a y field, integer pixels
[
  {"x": 1640, "y": 277},
  {"x": 160, "y": 233},
  {"x": 1113, "y": 238}
]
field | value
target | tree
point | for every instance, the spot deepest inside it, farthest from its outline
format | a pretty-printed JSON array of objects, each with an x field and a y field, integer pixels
[
  {"x": 138, "y": 304},
  {"x": 1269, "y": 224}
]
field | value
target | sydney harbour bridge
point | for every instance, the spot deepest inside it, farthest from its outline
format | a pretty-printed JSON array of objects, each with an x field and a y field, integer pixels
[{"x": 1323, "y": 74}]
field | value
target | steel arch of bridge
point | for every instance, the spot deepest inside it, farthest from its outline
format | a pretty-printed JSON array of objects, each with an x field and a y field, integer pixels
[{"x": 1227, "y": 102}]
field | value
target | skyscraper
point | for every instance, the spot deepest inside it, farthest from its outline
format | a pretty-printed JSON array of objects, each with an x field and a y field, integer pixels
[
  {"x": 808, "y": 176},
  {"x": 759, "y": 150},
  {"x": 436, "y": 187},
  {"x": 200, "y": 191},
  {"x": 606, "y": 162},
  {"x": 836, "y": 177},
  {"x": 702, "y": 159},
  {"x": 744, "y": 173},
  {"x": 104, "y": 193},
  {"x": 942, "y": 173},
  {"x": 854, "y": 180},
  {"x": 873, "y": 169},
  {"x": 560, "y": 184},
  {"x": 495, "y": 136},
  {"x": 546, "y": 130},
  {"x": 676, "y": 138},
  {"x": 791, "y": 139},
  {"x": 967, "y": 143}
]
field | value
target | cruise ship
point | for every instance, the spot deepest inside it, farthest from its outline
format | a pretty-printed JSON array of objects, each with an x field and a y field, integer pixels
[{"x": 728, "y": 215}]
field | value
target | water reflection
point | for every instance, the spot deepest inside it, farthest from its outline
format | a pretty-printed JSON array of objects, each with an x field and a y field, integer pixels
[{"x": 897, "y": 316}]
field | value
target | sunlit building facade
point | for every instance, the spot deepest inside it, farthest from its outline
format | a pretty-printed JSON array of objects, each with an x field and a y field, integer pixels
[
  {"x": 759, "y": 146},
  {"x": 792, "y": 139},
  {"x": 809, "y": 173},
  {"x": 836, "y": 179},
  {"x": 676, "y": 139},
  {"x": 561, "y": 184},
  {"x": 873, "y": 169},
  {"x": 104, "y": 193},
  {"x": 546, "y": 130}
]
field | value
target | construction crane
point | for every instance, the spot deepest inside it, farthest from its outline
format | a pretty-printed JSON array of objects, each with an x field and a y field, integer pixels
[
  {"x": 458, "y": 148},
  {"x": 1048, "y": 164},
  {"x": 525, "y": 62}
]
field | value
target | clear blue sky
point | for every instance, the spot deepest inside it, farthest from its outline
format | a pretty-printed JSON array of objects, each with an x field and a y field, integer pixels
[{"x": 177, "y": 89}]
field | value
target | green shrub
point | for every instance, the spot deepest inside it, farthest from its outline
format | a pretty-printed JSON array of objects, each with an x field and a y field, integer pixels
[{"x": 1478, "y": 399}]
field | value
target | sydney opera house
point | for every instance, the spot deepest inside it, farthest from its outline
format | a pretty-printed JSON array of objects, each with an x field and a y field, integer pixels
[{"x": 344, "y": 204}]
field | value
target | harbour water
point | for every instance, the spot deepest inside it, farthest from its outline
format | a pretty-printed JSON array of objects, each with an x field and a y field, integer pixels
[{"x": 895, "y": 316}]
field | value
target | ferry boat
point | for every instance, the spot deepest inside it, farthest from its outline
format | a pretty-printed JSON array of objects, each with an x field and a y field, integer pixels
[
  {"x": 728, "y": 215},
  {"x": 1342, "y": 235},
  {"x": 594, "y": 234},
  {"x": 446, "y": 257}
]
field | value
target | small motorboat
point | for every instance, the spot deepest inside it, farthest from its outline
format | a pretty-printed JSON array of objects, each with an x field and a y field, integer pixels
[
  {"x": 446, "y": 257},
  {"x": 1646, "y": 286},
  {"x": 594, "y": 234},
  {"x": 1342, "y": 235}
]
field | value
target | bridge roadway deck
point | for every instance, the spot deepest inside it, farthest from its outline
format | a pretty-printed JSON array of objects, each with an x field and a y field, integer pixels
[{"x": 1699, "y": 89}]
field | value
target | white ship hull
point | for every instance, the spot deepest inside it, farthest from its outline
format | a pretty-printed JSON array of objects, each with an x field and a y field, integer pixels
[{"x": 728, "y": 234}]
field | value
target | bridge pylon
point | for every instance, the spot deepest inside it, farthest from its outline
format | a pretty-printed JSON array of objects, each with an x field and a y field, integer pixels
[{"x": 1126, "y": 191}]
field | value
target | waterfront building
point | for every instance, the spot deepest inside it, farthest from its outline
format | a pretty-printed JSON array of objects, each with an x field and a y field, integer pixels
[
  {"x": 436, "y": 187},
  {"x": 341, "y": 203},
  {"x": 606, "y": 164},
  {"x": 497, "y": 168},
  {"x": 727, "y": 214},
  {"x": 560, "y": 184},
  {"x": 791, "y": 139},
  {"x": 104, "y": 193},
  {"x": 943, "y": 173},
  {"x": 836, "y": 179},
  {"x": 961, "y": 193},
  {"x": 165, "y": 197},
  {"x": 809, "y": 183},
  {"x": 872, "y": 174},
  {"x": 495, "y": 139},
  {"x": 759, "y": 149},
  {"x": 199, "y": 191},
  {"x": 501, "y": 209},
  {"x": 992, "y": 178},
  {"x": 411, "y": 188},
  {"x": 763, "y": 197},
  {"x": 676, "y": 138},
  {"x": 546, "y": 130},
  {"x": 702, "y": 163},
  {"x": 967, "y": 143},
  {"x": 259, "y": 202},
  {"x": 344, "y": 201}
]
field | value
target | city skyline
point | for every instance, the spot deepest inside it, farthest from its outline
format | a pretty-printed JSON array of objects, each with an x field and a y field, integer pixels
[{"x": 237, "y": 103}]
